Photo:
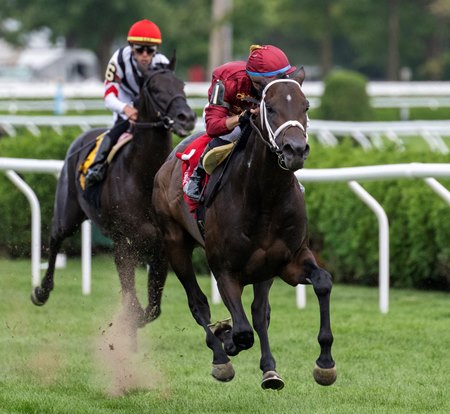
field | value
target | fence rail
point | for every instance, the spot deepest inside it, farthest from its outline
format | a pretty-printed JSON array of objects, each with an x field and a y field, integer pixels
[{"x": 367, "y": 134}]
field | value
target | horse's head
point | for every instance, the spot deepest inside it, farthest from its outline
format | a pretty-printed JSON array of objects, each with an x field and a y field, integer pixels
[
  {"x": 283, "y": 120},
  {"x": 162, "y": 99}
]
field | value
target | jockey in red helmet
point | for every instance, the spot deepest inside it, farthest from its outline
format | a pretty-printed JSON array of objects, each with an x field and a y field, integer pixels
[
  {"x": 123, "y": 78},
  {"x": 235, "y": 87}
]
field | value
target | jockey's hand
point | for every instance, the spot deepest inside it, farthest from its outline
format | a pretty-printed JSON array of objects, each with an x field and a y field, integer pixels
[
  {"x": 255, "y": 111},
  {"x": 244, "y": 117},
  {"x": 131, "y": 112}
]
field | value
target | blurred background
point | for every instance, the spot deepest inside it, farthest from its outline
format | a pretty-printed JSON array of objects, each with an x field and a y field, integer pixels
[{"x": 384, "y": 39}]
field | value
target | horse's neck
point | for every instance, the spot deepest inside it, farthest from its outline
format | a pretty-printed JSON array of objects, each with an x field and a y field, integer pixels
[
  {"x": 150, "y": 149},
  {"x": 261, "y": 171}
]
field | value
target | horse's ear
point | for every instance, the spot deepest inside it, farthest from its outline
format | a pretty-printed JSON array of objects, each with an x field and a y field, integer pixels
[
  {"x": 299, "y": 75},
  {"x": 173, "y": 61}
]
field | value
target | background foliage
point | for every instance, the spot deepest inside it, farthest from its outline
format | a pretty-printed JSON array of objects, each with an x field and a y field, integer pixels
[{"x": 375, "y": 38}]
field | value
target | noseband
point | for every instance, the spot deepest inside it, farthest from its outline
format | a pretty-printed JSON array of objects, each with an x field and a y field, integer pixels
[
  {"x": 163, "y": 119},
  {"x": 271, "y": 143}
]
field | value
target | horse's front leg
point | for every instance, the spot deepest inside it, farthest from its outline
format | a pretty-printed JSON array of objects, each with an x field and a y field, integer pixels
[
  {"x": 325, "y": 370},
  {"x": 306, "y": 271},
  {"x": 261, "y": 321},
  {"x": 180, "y": 259},
  {"x": 242, "y": 333}
]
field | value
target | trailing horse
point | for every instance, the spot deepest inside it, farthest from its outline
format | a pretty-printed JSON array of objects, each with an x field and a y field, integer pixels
[
  {"x": 255, "y": 228},
  {"x": 126, "y": 214}
]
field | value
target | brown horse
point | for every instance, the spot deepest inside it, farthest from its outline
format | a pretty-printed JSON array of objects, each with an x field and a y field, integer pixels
[
  {"x": 125, "y": 215},
  {"x": 255, "y": 228}
]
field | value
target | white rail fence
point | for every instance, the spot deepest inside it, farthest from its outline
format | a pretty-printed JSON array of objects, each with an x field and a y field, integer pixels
[
  {"x": 427, "y": 172},
  {"x": 367, "y": 134}
]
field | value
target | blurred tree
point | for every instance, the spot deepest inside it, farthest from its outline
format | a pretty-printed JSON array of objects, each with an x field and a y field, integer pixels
[
  {"x": 103, "y": 25},
  {"x": 375, "y": 38}
]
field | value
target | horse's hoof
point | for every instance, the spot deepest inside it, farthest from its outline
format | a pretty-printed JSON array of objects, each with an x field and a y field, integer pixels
[
  {"x": 324, "y": 376},
  {"x": 272, "y": 381},
  {"x": 35, "y": 299},
  {"x": 152, "y": 314},
  {"x": 223, "y": 372}
]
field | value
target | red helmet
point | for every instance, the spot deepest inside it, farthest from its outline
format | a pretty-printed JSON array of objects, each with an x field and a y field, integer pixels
[
  {"x": 144, "y": 31},
  {"x": 268, "y": 61}
]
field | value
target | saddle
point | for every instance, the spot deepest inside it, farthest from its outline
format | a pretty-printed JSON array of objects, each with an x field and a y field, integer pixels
[{"x": 124, "y": 139}]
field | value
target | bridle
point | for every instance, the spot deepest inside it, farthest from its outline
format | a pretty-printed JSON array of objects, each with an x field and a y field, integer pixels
[
  {"x": 272, "y": 135},
  {"x": 161, "y": 114}
]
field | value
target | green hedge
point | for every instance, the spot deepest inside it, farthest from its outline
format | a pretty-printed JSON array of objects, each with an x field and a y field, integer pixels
[
  {"x": 15, "y": 214},
  {"x": 345, "y": 97},
  {"x": 343, "y": 231}
]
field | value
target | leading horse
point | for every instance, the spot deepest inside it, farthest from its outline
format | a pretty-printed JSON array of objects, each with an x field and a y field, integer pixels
[
  {"x": 255, "y": 228},
  {"x": 125, "y": 214}
]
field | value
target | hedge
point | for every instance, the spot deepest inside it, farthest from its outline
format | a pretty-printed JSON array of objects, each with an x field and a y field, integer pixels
[
  {"x": 345, "y": 97},
  {"x": 343, "y": 231}
]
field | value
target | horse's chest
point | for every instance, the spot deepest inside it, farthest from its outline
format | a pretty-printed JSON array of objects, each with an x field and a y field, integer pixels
[
  {"x": 267, "y": 250},
  {"x": 266, "y": 261}
]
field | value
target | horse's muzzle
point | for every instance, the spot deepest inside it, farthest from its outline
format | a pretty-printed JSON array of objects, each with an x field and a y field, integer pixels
[
  {"x": 184, "y": 123},
  {"x": 294, "y": 154}
]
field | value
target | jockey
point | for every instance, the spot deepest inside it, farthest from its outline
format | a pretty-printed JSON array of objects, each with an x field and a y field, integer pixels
[
  {"x": 235, "y": 88},
  {"x": 123, "y": 79}
]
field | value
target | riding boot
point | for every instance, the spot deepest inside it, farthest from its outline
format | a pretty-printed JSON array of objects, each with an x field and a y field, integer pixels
[
  {"x": 194, "y": 188},
  {"x": 97, "y": 171}
]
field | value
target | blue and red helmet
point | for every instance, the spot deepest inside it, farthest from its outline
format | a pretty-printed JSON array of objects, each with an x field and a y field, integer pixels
[{"x": 268, "y": 61}]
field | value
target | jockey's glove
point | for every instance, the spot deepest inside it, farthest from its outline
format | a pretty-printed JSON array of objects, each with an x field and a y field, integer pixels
[{"x": 244, "y": 117}]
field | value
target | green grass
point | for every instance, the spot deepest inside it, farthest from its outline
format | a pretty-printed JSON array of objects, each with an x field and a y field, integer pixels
[{"x": 57, "y": 359}]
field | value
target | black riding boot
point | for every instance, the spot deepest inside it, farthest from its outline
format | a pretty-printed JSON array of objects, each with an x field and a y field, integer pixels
[
  {"x": 194, "y": 188},
  {"x": 97, "y": 171}
]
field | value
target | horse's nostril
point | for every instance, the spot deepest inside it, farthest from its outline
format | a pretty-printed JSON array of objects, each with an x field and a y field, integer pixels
[{"x": 186, "y": 117}]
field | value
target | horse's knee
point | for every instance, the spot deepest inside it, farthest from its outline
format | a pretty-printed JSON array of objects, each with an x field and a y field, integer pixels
[
  {"x": 243, "y": 339},
  {"x": 321, "y": 281}
]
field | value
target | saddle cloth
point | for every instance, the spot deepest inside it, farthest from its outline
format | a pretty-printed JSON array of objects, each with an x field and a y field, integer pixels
[
  {"x": 190, "y": 157},
  {"x": 124, "y": 139}
]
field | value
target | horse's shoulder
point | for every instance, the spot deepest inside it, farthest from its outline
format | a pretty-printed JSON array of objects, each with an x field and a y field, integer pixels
[{"x": 183, "y": 144}]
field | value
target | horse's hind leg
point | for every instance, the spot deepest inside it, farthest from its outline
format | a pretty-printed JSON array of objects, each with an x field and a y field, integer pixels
[
  {"x": 261, "y": 321},
  {"x": 133, "y": 315},
  {"x": 67, "y": 219},
  {"x": 156, "y": 279}
]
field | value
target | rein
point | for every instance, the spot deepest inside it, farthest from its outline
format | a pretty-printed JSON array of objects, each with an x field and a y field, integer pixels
[{"x": 271, "y": 143}]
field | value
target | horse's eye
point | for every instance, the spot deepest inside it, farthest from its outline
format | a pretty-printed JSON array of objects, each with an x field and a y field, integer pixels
[
  {"x": 269, "y": 109},
  {"x": 307, "y": 106}
]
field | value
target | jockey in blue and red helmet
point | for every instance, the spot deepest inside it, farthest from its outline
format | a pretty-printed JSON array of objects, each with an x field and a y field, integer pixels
[{"x": 234, "y": 88}]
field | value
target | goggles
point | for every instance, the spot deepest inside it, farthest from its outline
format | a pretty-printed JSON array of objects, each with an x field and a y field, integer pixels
[{"x": 139, "y": 49}]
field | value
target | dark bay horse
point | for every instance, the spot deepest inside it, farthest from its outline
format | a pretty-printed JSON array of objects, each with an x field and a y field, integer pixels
[
  {"x": 125, "y": 215},
  {"x": 255, "y": 230}
]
